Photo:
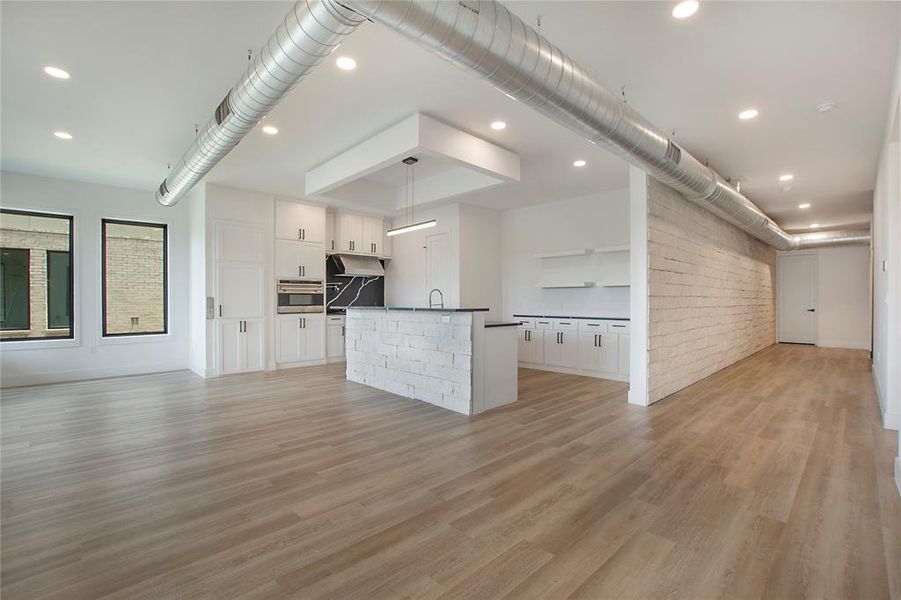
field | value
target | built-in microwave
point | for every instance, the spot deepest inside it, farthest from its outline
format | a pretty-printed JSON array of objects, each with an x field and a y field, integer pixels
[{"x": 300, "y": 296}]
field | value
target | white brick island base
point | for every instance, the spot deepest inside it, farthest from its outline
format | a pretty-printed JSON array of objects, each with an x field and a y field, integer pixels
[{"x": 433, "y": 356}]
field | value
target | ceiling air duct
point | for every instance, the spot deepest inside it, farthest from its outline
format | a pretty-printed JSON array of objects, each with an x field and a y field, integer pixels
[
  {"x": 485, "y": 37},
  {"x": 310, "y": 32}
]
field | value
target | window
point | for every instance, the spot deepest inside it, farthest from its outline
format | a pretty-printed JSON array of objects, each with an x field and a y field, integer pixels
[
  {"x": 16, "y": 298},
  {"x": 135, "y": 273},
  {"x": 35, "y": 276},
  {"x": 58, "y": 307}
]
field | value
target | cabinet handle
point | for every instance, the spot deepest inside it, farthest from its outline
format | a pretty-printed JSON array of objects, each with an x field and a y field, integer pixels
[
  {"x": 303, "y": 234},
  {"x": 561, "y": 337},
  {"x": 333, "y": 244},
  {"x": 300, "y": 234},
  {"x": 342, "y": 331},
  {"x": 595, "y": 341},
  {"x": 600, "y": 341},
  {"x": 220, "y": 310},
  {"x": 303, "y": 271}
]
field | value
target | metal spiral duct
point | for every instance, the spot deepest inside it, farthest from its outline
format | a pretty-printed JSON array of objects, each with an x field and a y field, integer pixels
[
  {"x": 309, "y": 33},
  {"x": 485, "y": 37}
]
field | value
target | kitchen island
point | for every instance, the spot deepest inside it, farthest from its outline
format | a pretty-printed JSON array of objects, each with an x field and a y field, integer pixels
[{"x": 451, "y": 358}]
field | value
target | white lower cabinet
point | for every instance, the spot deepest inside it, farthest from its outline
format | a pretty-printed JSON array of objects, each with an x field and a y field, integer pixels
[
  {"x": 241, "y": 345},
  {"x": 299, "y": 338},
  {"x": 299, "y": 260},
  {"x": 592, "y": 347},
  {"x": 561, "y": 349},
  {"x": 599, "y": 352},
  {"x": 334, "y": 338},
  {"x": 531, "y": 346}
]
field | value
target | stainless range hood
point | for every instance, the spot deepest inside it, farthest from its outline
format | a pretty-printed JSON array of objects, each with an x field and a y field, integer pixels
[{"x": 351, "y": 265}]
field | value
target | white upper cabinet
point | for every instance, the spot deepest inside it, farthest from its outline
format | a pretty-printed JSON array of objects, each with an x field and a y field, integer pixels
[
  {"x": 295, "y": 259},
  {"x": 331, "y": 242},
  {"x": 373, "y": 235},
  {"x": 302, "y": 222},
  {"x": 350, "y": 232}
]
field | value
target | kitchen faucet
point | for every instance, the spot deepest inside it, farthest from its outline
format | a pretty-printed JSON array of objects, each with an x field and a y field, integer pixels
[{"x": 440, "y": 295}]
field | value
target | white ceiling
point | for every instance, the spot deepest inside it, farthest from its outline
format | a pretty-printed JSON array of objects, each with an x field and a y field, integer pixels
[{"x": 144, "y": 72}]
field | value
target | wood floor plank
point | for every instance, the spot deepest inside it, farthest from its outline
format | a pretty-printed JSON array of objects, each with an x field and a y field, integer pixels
[{"x": 769, "y": 479}]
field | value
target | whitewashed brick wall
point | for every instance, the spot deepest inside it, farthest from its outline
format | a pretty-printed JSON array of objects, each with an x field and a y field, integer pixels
[
  {"x": 413, "y": 354},
  {"x": 711, "y": 293}
]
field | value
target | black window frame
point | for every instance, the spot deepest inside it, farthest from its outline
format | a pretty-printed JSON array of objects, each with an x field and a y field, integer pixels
[
  {"x": 27, "y": 327},
  {"x": 71, "y": 220},
  {"x": 103, "y": 315},
  {"x": 69, "y": 304}
]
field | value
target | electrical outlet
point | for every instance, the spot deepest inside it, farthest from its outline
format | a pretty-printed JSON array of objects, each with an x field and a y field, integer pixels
[{"x": 445, "y": 318}]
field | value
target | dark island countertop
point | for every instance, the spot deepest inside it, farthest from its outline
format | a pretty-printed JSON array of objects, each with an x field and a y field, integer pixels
[
  {"x": 418, "y": 308},
  {"x": 573, "y": 317},
  {"x": 502, "y": 324}
]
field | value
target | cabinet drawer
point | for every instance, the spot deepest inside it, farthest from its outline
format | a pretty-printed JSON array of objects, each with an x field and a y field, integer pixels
[
  {"x": 335, "y": 319},
  {"x": 618, "y": 327},
  {"x": 565, "y": 324},
  {"x": 592, "y": 326},
  {"x": 525, "y": 323},
  {"x": 544, "y": 324}
]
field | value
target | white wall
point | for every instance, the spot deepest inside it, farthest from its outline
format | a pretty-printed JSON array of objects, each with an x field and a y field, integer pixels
[
  {"x": 584, "y": 222},
  {"x": 197, "y": 358},
  {"x": 887, "y": 268},
  {"x": 89, "y": 355},
  {"x": 405, "y": 276},
  {"x": 480, "y": 259}
]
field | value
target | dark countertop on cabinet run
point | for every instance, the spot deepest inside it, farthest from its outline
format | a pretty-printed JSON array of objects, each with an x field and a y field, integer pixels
[
  {"x": 501, "y": 324},
  {"x": 419, "y": 309},
  {"x": 572, "y": 317}
]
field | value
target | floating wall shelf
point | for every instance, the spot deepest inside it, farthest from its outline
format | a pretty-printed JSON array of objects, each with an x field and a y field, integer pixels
[
  {"x": 563, "y": 253},
  {"x": 610, "y": 284},
  {"x": 575, "y": 284},
  {"x": 621, "y": 248}
]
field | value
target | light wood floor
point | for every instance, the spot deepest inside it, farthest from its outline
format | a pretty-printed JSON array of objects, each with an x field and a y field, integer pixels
[{"x": 769, "y": 479}]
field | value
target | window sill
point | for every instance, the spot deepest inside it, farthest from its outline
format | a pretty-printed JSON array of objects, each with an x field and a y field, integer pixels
[
  {"x": 138, "y": 338},
  {"x": 37, "y": 344}
]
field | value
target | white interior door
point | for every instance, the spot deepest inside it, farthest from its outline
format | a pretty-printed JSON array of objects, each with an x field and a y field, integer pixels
[
  {"x": 438, "y": 265},
  {"x": 797, "y": 298}
]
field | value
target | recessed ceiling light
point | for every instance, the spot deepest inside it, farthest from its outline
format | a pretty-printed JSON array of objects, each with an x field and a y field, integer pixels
[
  {"x": 685, "y": 9},
  {"x": 346, "y": 63},
  {"x": 498, "y": 125},
  {"x": 56, "y": 72},
  {"x": 826, "y": 107},
  {"x": 786, "y": 177},
  {"x": 63, "y": 135},
  {"x": 803, "y": 206},
  {"x": 579, "y": 163},
  {"x": 814, "y": 225},
  {"x": 270, "y": 130},
  {"x": 746, "y": 114}
]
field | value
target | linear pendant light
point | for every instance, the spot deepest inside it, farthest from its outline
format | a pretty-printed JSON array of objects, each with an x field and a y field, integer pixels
[
  {"x": 413, "y": 227},
  {"x": 409, "y": 204}
]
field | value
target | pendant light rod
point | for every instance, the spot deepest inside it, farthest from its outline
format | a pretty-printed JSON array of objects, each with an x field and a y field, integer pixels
[{"x": 410, "y": 200}]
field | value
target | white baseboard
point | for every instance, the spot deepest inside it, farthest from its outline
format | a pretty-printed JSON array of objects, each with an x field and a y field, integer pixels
[
  {"x": 86, "y": 374},
  {"x": 595, "y": 374},
  {"x": 898, "y": 473},
  {"x": 890, "y": 420},
  {"x": 850, "y": 345},
  {"x": 303, "y": 363}
]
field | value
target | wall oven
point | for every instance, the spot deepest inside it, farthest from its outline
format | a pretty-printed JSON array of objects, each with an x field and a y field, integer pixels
[{"x": 300, "y": 296}]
